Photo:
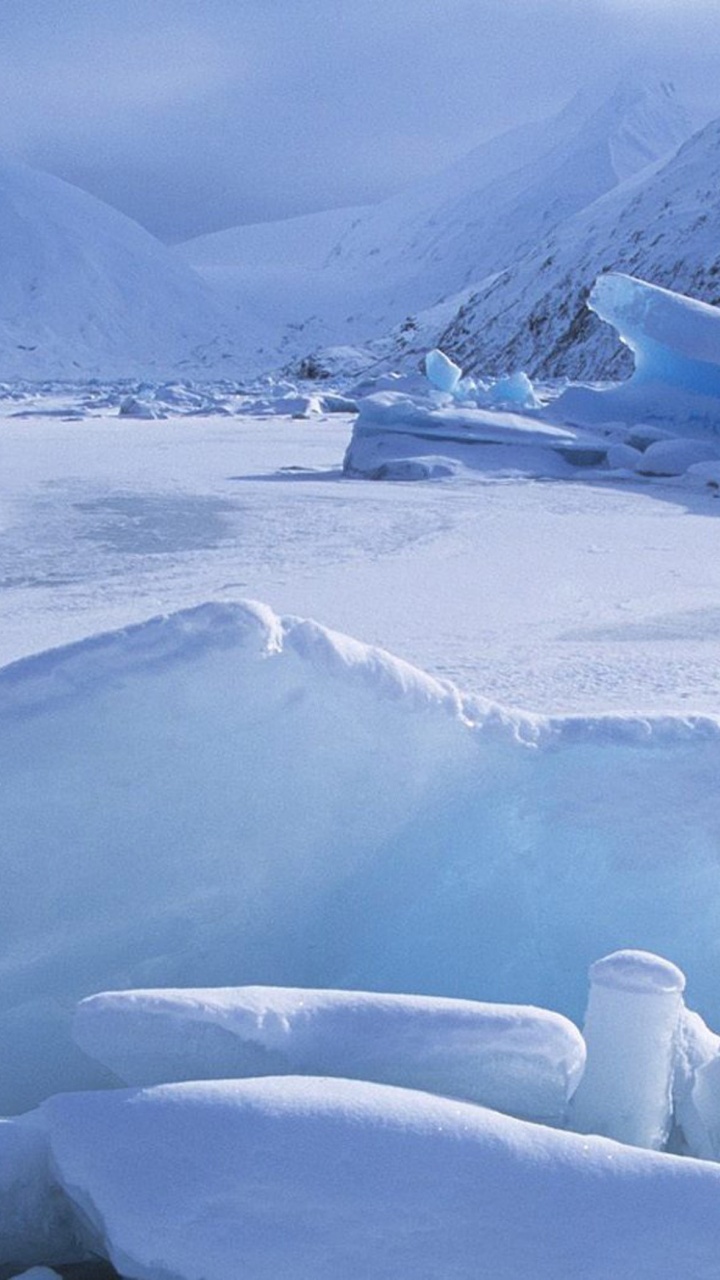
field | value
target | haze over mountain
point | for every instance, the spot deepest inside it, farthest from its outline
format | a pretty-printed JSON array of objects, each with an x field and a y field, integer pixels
[{"x": 345, "y": 276}]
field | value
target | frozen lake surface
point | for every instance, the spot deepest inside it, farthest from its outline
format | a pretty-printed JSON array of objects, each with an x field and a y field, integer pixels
[{"x": 552, "y": 595}]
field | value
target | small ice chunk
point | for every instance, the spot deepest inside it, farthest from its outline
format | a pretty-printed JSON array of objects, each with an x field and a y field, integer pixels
[
  {"x": 133, "y": 407},
  {"x": 696, "y": 1089},
  {"x": 631, "y": 1026},
  {"x": 441, "y": 371},
  {"x": 516, "y": 389}
]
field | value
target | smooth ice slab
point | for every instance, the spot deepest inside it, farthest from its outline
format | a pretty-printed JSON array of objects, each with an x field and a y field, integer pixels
[
  {"x": 676, "y": 344},
  {"x": 316, "y": 1179},
  {"x": 523, "y": 1061}
]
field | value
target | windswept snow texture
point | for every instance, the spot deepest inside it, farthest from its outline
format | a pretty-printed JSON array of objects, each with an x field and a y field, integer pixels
[
  {"x": 226, "y": 797},
  {"x": 676, "y": 345},
  {"x": 526, "y": 1062},
  {"x": 86, "y": 292},
  {"x": 316, "y": 1179}
]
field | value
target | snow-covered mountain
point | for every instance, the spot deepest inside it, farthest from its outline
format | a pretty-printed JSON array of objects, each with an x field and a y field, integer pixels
[
  {"x": 663, "y": 226},
  {"x": 349, "y": 275},
  {"x": 87, "y": 292}
]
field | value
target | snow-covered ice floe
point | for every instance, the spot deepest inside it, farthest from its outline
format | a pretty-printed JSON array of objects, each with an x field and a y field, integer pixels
[
  {"x": 675, "y": 341},
  {"x": 224, "y": 797},
  {"x": 401, "y": 437},
  {"x": 523, "y": 1061},
  {"x": 313, "y": 1179},
  {"x": 663, "y": 422}
]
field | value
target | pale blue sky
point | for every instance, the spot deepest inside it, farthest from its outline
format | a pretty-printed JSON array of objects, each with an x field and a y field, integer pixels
[{"x": 195, "y": 114}]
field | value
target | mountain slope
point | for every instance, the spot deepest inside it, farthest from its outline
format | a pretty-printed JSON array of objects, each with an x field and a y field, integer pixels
[
  {"x": 663, "y": 226},
  {"x": 464, "y": 223},
  {"x": 85, "y": 291},
  {"x": 410, "y": 252}
]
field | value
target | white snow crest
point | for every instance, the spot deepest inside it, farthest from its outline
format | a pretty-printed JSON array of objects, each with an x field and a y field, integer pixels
[
  {"x": 36, "y": 682},
  {"x": 385, "y": 674}
]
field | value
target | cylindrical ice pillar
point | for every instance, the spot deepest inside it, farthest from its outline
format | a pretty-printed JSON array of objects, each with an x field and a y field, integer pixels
[{"x": 630, "y": 1029}]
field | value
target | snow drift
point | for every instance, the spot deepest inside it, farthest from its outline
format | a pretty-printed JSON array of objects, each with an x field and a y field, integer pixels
[{"x": 223, "y": 797}]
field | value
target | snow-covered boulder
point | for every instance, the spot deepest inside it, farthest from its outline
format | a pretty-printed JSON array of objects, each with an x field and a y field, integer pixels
[
  {"x": 314, "y": 1179},
  {"x": 523, "y": 1061},
  {"x": 675, "y": 342}
]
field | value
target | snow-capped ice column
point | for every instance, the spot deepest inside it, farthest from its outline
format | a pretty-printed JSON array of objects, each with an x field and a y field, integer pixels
[{"x": 633, "y": 1014}]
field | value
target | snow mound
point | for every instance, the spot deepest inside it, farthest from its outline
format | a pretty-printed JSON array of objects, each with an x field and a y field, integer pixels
[
  {"x": 39, "y": 1273},
  {"x": 311, "y": 1179},
  {"x": 226, "y": 797},
  {"x": 523, "y": 1061},
  {"x": 676, "y": 344}
]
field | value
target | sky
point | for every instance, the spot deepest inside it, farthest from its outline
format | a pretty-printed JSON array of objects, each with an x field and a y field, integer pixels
[{"x": 194, "y": 115}]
